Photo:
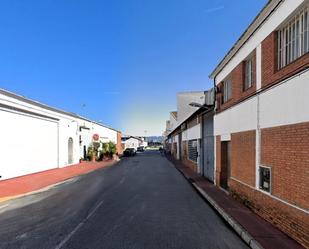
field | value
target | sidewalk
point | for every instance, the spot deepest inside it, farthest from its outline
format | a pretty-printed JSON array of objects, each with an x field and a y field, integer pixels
[
  {"x": 23, "y": 185},
  {"x": 254, "y": 230}
]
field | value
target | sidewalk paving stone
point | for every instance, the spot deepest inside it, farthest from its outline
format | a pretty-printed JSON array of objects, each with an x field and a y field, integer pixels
[
  {"x": 241, "y": 218},
  {"x": 23, "y": 185}
]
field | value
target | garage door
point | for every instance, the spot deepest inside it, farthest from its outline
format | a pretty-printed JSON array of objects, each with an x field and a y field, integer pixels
[{"x": 28, "y": 144}]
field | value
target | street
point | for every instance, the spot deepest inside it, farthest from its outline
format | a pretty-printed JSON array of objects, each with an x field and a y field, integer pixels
[{"x": 142, "y": 202}]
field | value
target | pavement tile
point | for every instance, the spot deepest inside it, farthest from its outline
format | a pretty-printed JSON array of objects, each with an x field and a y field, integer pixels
[
  {"x": 262, "y": 231},
  {"x": 25, "y": 184}
]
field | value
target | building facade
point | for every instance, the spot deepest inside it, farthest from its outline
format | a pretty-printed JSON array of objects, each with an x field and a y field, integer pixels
[
  {"x": 131, "y": 142},
  {"x": 36, "y": 137},
  {"x": 192, "y": 139},
  {"x": 262, "y": 117}
]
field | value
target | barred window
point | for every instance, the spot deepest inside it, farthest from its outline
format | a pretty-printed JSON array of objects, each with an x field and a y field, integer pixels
[
  {"x": 192, "y": 149},
  {"x": 227, "y": 90},
  {"x": 293, "y": 40},
  {"x": 248, "y": 74}
]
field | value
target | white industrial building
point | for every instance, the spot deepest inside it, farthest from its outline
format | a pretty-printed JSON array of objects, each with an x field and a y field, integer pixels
[
  {"x": 36, "y": 137},
  {"x": 131, "y": 142}
]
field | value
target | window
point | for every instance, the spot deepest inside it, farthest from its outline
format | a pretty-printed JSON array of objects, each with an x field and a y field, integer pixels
[
  {"x": 227, "y": 90},
  {"x": 265, "y": 178},
  {"x": 248, "y": 74},
  {"x": 192, "y": 149},
  {"x": 293, "y": 40}
]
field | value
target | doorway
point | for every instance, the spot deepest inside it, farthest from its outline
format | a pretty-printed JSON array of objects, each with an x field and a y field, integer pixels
[
  {"x": 225, "y": 164},
  {"x": 70, "y": 151}
]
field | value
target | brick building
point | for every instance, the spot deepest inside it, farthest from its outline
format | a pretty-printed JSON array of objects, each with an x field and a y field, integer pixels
[{"x": 261, "y": 125}]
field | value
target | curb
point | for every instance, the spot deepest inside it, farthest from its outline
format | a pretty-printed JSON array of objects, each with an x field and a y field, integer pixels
[
  {"x": 244, "y": 235},
  {"x": 46, "y": 188}
]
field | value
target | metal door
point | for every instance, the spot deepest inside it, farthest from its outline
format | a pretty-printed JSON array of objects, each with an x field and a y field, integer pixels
[{"x": 208, "y": 147}]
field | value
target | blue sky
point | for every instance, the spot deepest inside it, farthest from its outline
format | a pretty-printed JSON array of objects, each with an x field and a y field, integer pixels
[{"x": 120, "y": 62}]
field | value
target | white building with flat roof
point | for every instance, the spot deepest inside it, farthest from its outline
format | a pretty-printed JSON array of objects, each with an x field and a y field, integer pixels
[{"x": 36, "y": 137}]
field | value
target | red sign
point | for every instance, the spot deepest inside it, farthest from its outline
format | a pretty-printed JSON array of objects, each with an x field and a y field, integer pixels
[{"x": 96, "y": 137}]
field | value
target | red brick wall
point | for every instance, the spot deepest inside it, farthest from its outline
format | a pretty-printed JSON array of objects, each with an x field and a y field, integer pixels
[
  {"x": 119, "y": 146},
  {"x": 270, "y": 72},
  {"x": 184, "y": 157},
  {"x": 238, "y": 80},
  {"x": 286, "y": 150},
  {"x": 243, "y": 157},
  {"x": 288, "y": 219}
]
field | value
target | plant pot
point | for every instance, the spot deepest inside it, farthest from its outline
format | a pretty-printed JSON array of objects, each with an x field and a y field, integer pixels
[{"x": 93, "y": 158}]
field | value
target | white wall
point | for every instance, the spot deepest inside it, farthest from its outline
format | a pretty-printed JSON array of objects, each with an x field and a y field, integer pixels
[
  {"x": 241, "y": 117},
  {"x": 287, "y": 103},
  {"x": 192, "y": 133},
  {"x": 68, "y": 128},
  {"x": 32, "y": 143},
  {"x": 106, "y": 134},
  {"x": 28, "y": 144}
]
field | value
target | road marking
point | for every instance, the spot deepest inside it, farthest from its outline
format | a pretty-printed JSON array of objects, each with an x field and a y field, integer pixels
[
  {"x": 95, "y": 209},
  {"x": 83, "y": 222}
]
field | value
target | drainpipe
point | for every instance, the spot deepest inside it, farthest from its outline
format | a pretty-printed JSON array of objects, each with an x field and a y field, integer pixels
[{"x": 215, "y": 140}]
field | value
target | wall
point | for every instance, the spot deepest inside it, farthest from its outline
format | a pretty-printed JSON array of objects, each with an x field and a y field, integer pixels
[
  {"x": 237, "y": 77},
  {"x": 241, "y": 117},
  {"x": 118, "y": 146},
  {"x": 34, "y": 137},
  {"x": 192, "y": 133},
  {"x": 184, "y": 157},
  {"x": 243, "y": 157},
  {"x": 28, "y": 144},
  {"x": 289, "y": 163},
  {"x": 270, "y": 73}
]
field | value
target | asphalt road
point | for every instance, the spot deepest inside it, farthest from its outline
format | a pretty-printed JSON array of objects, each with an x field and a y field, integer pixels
[{"x": 142, "y": 202}]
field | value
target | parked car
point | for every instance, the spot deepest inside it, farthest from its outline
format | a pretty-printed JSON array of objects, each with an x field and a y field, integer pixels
[
  {"x": 129, "y": 152},
  {"x": 140, "y": 148}
]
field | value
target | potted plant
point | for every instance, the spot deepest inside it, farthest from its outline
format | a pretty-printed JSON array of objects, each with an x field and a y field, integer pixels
[
  {"x": 112, "y": 150},
  {"x": 91, "y": 154}
]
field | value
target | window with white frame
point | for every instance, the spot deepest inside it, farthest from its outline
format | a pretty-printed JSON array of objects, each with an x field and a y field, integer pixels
[
  {"x": 293, "y": 39},
  {"x": 248, "y": 74},
  {"x": 227, "y": 90},
  {"x": 265, "y": 178}
]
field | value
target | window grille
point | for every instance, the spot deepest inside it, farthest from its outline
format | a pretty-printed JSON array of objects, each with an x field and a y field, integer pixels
[
  {"x": 192, "y": 150},
  {"x": 293, "y": 39}
]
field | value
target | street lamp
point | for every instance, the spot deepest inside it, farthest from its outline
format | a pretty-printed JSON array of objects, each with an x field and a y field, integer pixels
[{"x": 198, "y": 105}]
